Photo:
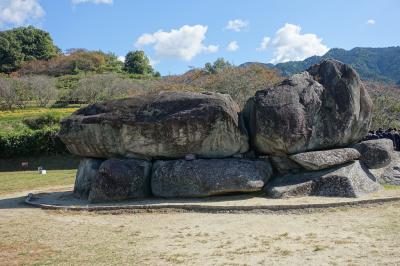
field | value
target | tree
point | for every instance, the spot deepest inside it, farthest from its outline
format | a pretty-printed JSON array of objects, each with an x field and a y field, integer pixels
[
  {"x": 43, "y": 89},
  {"x": 217, "y": 66},
  {"x": 136, "y": 62},
  {"x": 13, "y": 93},
  {"x": 10, "y": 54},
  {"x": 24, "y": 44},
  {"x": 8, "y": 95},
  {"x": 112, "y": 64},
  {"x": 74, "y": 63},
  {"x": 100, "y": 87}
]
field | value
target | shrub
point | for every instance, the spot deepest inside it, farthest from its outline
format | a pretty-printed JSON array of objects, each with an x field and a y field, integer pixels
[
  {"x": 45, "y": 120},
  {"x": 31, "y": 143},
  {"x": 66, "y": 86},
  {"x": 386, "y": 113}
]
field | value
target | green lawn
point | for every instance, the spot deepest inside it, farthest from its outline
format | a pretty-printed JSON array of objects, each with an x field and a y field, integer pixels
[
  {"x": 25, "y": 180},
  {"x": 61, "y": 170}
]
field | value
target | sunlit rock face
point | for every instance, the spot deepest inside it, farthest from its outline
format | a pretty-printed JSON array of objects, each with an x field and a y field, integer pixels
[
  {"x": 321, "y": 108},
  {"x": 166, "y": 125}
]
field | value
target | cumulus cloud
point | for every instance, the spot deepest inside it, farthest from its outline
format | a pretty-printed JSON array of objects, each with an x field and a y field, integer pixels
[
  {"x": 19, "y": 12},
  {"x": 121, "y": 58},
  {"x": 232, "y": 46},
  {"x": 108, "y": 2},
  {"x": 291, "y": 45},
  {"x": 237, "y": 25},
  {"x": 153, "y": 62},
  {"x": 264, "y": 44},
  {"x": 370, "y": 22},
  {"x": 183, "y": 43}
]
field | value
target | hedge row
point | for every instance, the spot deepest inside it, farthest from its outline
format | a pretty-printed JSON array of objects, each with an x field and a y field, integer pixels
[{"x": 43, "y": 142}]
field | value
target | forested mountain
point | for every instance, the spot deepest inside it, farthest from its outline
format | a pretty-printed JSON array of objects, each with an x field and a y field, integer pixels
[{"x": 380, "y": 64}]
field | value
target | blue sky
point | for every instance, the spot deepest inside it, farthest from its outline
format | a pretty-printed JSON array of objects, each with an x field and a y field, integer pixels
[{"x": 178, "y": 34}]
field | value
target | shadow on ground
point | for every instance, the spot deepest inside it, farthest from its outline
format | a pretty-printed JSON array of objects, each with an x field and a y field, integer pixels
[
  {"x": 14, "y": 203},
  {"x": 67, "y": 198}
]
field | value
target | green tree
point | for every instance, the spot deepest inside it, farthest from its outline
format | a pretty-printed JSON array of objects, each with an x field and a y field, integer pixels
[
  {"x": 217, "y": 66},
  {"x": 24, "y": 44},
  {"x": 10, "y": 54},
  {"x": 112, "y": 64},
  {"x": 137, "y": 62}
]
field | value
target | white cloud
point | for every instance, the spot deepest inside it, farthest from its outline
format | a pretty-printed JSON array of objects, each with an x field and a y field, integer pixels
[
  {"x": 121, "y": 58},
  {"x": 183, "y": 43},
  {"x": 264, "y": 44},
  {"x": 370, "y": 22},
  {"x": 291, "y": 45},
  {"x": 211, "y": 48},
  {"x": 237, "y": 25},
  {"x": 19, "y": 12},
  {"x": 153, "y": 62},
  {"x": 232, "y": 46},
  {"x": 108, "y": 2}
]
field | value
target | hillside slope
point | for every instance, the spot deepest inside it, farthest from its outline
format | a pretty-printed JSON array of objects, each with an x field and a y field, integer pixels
[{"x": 379, "y": 64}]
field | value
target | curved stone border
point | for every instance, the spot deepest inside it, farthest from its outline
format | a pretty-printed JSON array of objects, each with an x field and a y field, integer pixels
[{"x": 209, "y": 208}]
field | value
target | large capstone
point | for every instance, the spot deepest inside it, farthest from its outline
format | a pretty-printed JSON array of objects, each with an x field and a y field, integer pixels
[
  {"x": 166, "y": 125},
  {"x": 200, "y": 178},
  {"x": 376, "y": 153},
  {"x": 85, "y": 176},
  {"x": 350, "y": 180},
  {"x": 120, "y": 179},
  {"x": 317, "y": 160},
  {"x": 325, "y": 107}
]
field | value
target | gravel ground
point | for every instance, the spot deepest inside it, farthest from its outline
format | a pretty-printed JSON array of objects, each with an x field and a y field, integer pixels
[{"x": 367, "y": 235}]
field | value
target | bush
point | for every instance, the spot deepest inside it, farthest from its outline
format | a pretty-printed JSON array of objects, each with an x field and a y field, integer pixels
[
  {"x": 386, "y": 113},
  {"x": 43, "y": 121},
  {"x": 44, "y": 142}
]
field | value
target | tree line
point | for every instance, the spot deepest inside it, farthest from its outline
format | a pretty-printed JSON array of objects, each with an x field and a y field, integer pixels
[{"x": 28, "y": 50}]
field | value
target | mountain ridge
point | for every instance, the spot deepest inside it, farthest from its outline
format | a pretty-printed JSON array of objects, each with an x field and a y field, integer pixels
[{"x": 378, "y": 64}]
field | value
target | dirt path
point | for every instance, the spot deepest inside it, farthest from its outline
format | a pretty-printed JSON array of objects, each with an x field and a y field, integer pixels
[{"x": 342, "y": 236}]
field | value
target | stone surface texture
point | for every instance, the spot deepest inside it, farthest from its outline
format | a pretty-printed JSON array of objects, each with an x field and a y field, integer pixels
[
  {"x": 200, "y": 178},
  {"x": 318, "y": 160},
  {"x": 350, "y": 180},
  {"x": 165, "y": 125},
  {"x": 324, "y": 107},
  {"x": 376, "y": 153},
  {"x": 120, "y": 179},
  {"x": 86, "y": 174}
]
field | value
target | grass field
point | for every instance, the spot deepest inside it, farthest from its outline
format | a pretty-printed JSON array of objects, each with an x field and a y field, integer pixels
[
  {"x": 27, "y": 180},
  {"x": 61, "y": 171}
]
